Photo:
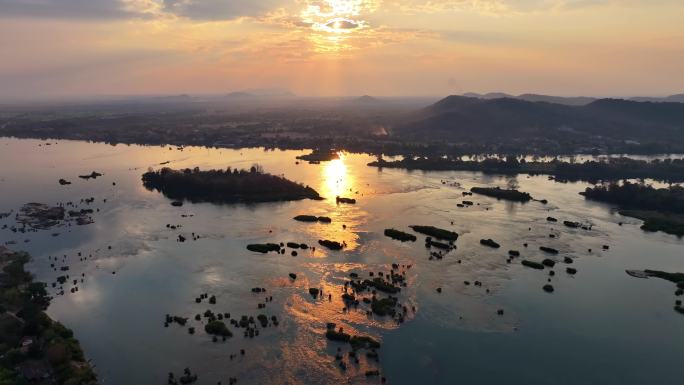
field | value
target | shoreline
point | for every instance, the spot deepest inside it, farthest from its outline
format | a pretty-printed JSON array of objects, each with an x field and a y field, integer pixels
[{"x": 33, "y": 346}]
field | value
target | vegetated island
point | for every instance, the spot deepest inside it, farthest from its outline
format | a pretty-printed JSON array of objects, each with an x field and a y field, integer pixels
[
  {"x": 226, "y": 186},
  {"x": 312, "y": 218},
  {"x": 435, "y": 232},
  {"x": 668, "y": 170},
  {"x": 676, "y": 278},
  {"x": 400, "y": 235},
  {"x": 498, "y": 193},
  {"x": 318, "y": 155},
  {"x": 661, "y": 209},
  {"x": 33, "y": 347}
]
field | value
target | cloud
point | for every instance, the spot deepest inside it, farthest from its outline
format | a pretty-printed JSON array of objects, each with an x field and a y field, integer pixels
[
  {"x": 501, "y": 7},
  {"x": 69, "y": 9},
  {"x": 512, "y": 7},
  {"x": 342, "y": 24},
  {"x": 218, "y": 9},
  {"x": 201, "y": 10}
]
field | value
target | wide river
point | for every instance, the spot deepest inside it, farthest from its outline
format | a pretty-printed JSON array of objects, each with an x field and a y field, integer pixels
[{"x": 600, "y": 326}]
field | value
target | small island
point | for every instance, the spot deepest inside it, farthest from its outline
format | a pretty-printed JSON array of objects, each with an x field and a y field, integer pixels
[
  {"x": 435, "y": 232},
  {"x": 312, "y": 218},
  {"x": 498, "y": 193},
  {"x": 226, "y": 186},
  {"x": 676, "y": 278},
  {"x": 319, "y": 155},
  {"x": 660, "y": 209},
  {"x": 400, "y": 235}
]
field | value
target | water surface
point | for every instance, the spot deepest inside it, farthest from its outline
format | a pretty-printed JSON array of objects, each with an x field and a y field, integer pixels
[{"x": 598, "y": 327}]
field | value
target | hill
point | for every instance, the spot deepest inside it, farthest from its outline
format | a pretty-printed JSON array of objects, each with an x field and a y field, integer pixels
[{"x": 459, "y": 118}]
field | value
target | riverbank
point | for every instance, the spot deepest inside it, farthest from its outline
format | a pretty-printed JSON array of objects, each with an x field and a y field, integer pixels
[
  {"x": 33, "y": 347},
  {"x": 669, "y": 170},
  {"x": 660, "y": 209}
]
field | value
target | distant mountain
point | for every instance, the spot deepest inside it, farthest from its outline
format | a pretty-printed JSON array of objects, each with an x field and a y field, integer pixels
[
  {"x": 260, "y": 93},
  {"x": 679, "y": 98},
  {"x": 159, "y": 99},
  {"x": 460, "y": 118},
  {"x": 239, "y": 95},
  {"x": 366, "y": 99},
  {"x": 571, "y": 101},
  {"x": 490, "y": 95}
]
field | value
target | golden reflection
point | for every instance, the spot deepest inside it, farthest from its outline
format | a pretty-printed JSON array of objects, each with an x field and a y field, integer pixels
[{"x": 336, "y": 179}]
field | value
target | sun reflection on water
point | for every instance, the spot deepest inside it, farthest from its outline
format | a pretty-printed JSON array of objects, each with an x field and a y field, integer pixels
[{"x": 336, "y": 180}]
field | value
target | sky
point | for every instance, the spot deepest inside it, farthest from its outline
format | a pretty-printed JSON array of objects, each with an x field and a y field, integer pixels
[{"x": 69, "y": 48}]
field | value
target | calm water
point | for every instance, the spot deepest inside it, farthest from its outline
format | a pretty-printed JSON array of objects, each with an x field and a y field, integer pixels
[{"x": 598, "y": 327}]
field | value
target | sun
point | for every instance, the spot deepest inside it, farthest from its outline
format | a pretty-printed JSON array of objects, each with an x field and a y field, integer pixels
[{"x": 337, "y": 16}]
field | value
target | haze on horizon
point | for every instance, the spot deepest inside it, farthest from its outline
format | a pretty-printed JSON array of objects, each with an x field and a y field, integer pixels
[{"x": 68, "y": 48}]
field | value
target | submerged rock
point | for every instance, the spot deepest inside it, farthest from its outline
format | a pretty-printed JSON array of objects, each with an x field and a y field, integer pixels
[
  {"x": 438, "y": 245},
  {"x": 400, "y": 235},
  {"x": 332, "y": 245},
  {"x": 549, "y": 250},
  {"x": 263, "y": 247},
  {"x": 312, "y": 218},
  {"x": 92, "y": 175},
  {"x": 490, "y": 243},
  {"x": 306, "y": 218},
  {"x": 549, "y": 262},
  {"x": 339, "y": 199},
  {"x": 435, "y": 232},
  {"x": 532, "y": 264}
]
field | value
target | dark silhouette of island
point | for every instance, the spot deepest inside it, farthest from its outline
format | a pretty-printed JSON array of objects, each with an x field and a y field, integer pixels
[
  {"x": 661, "y": 209},
  {"x": 320, "y": 155},
  {"x": 226, "y": 186},
  {"x": 668, "y": 170},
  {"x": 499, "y": 193}
]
